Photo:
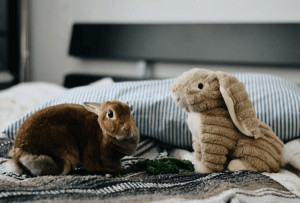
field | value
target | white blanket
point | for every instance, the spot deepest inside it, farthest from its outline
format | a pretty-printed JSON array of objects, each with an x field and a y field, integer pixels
[{"x": 19, "y": 99}]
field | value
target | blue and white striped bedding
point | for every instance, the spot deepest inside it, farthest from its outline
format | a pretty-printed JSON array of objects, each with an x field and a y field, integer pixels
[{"x": 276, "y": 101}]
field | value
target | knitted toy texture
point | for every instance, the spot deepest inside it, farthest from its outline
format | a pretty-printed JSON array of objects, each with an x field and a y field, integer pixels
[{"x": 226, "y": 133}]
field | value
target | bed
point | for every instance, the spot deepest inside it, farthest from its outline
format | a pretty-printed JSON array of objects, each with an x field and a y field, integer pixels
[
  {"x": 80, "y": 185},
  {"x": 162, "y": 125}
]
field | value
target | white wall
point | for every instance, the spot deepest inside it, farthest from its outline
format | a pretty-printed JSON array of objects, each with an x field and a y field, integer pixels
[{"x": 51, "y": 22}]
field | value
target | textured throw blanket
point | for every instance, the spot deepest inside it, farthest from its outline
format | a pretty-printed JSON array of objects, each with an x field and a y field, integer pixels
[{"x": 242, "y": 186}]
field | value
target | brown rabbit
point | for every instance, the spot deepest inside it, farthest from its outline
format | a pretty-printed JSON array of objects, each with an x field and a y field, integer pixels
[{"x": 56, "y": 139}]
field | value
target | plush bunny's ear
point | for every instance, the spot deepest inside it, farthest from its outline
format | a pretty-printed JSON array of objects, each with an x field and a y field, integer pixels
[
  {"x": 93, "y": 107},
  {"x": 239, "y": 105}
]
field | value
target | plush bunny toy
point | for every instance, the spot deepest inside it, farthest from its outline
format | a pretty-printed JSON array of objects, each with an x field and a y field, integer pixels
[{"x": 224, "y": 127}]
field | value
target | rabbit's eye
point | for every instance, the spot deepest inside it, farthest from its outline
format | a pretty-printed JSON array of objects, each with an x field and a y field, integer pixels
[
  {"x": 110, "y": 114},
  {"x": 200, "y": 85}
]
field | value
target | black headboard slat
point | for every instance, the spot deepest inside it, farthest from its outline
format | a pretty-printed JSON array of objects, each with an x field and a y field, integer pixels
[{"x": 254, "y": 44}]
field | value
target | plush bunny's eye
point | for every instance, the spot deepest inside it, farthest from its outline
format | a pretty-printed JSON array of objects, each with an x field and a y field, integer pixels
[
  {"x": 200, "y": 85},
  {"x": 110, "y": 114}
]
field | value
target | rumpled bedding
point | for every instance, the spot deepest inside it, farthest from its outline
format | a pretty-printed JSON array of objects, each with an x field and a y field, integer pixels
[{"x": 18, "y": 100}]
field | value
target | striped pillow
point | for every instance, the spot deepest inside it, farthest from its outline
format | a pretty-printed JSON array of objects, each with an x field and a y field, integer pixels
[{"x": 277, "y": 103}]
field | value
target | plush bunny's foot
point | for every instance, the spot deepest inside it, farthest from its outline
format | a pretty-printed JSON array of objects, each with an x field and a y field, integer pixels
[
  {"x": 238, "y": 165},
  {"x": 201, "y": 168},
  {"x": 291, "y": 154}
]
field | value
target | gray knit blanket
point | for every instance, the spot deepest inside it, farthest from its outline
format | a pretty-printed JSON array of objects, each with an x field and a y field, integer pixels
[{"x": 242, "y": 186}]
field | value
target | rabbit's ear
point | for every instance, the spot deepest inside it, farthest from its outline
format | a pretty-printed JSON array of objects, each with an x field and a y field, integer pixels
[
  {"x": 93, "y": 107},
  {"x": 239, "y": 105}
]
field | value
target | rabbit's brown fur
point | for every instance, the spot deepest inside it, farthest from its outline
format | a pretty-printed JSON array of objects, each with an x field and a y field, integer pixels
[
  {"x": 56, "y": 139},
  {"x": 224, "y": 124}
]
